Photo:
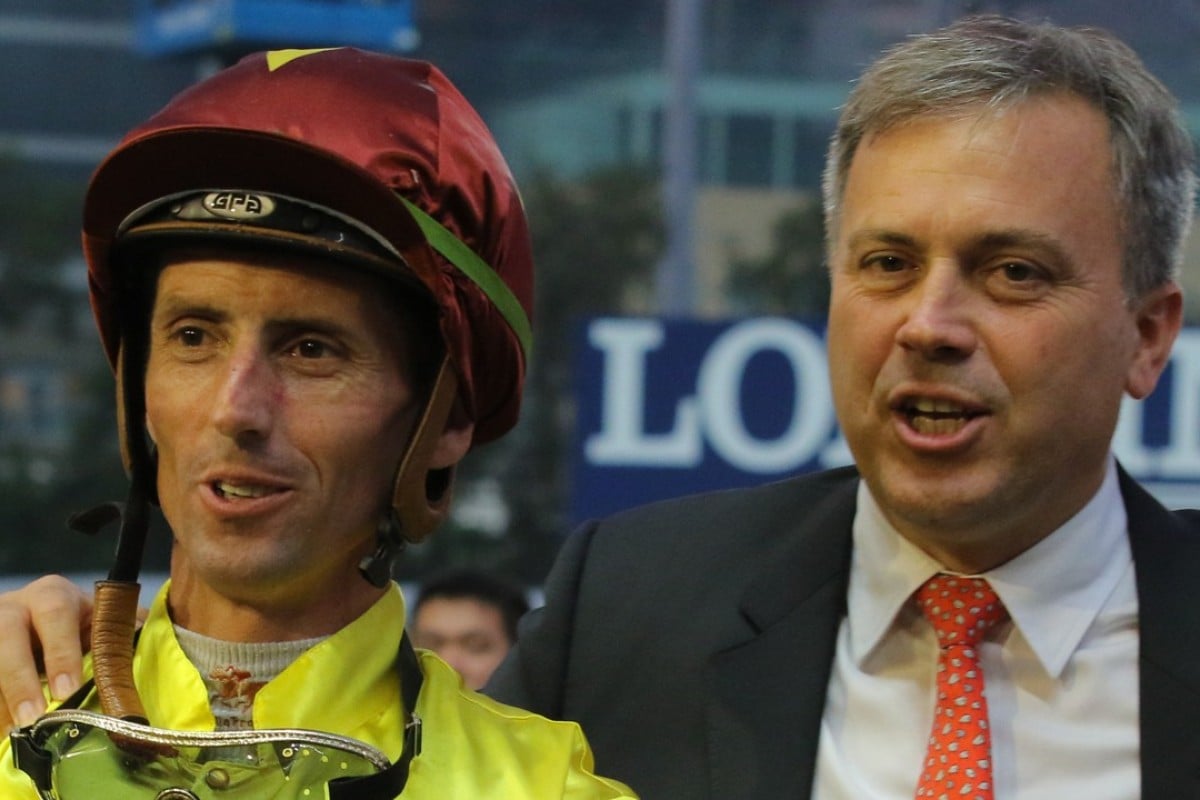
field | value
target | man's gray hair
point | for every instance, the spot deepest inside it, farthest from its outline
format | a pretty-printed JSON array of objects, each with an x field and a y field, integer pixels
[{"x": 994, "y": 62}]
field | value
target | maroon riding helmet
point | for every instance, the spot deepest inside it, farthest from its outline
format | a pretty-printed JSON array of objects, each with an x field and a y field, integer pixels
[{"x": 372, "y": 161}]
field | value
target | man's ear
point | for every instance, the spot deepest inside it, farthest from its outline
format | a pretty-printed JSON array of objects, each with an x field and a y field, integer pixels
[
  {"x": 1159, "y": 316},
  {"x": 452, "y": 445},
  {"x": 425, "y": 478}
]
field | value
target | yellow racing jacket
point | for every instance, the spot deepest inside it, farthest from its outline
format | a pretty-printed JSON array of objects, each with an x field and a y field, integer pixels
[{"x": 472, "y": 746}]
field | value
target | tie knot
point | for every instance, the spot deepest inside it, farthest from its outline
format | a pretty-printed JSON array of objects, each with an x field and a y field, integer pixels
[{"x": 961, "y": 610}]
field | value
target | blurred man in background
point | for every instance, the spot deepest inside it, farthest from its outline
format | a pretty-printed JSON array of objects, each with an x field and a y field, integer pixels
[{"x": 469, "y": 618}]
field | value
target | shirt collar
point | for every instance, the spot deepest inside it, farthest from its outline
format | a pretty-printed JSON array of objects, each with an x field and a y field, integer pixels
[
  {"x": 339, "y": 683},
  {"x": 314, "y": 692},
  {"x": 1053, "y": 591}
]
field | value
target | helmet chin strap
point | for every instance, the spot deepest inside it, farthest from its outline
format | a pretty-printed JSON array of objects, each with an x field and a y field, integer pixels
[{"x": 421, "y": 494}]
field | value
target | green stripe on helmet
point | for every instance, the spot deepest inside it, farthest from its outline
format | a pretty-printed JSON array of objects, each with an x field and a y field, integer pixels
[{"x": 470, "y": 264}]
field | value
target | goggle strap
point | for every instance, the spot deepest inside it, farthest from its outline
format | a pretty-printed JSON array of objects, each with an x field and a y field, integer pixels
[
  {"x": 389, "y": 783},
  {"x": 31, "y": 759}
]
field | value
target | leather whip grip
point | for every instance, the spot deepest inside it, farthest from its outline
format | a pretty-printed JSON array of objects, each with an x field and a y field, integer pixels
[{"x": 114, "y": 620}]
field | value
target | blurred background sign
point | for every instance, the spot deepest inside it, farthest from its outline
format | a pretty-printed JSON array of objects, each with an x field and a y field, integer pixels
[
  {"x": 668, "y": 407},
  {"x": 174, "y": 27}
]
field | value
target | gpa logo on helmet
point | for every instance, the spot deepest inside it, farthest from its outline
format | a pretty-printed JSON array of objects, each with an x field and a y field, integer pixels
[{"x": 239, "y": 206}]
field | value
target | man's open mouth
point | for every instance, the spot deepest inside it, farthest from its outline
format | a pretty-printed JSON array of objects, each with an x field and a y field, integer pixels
[{"x": 936, "y": 417}]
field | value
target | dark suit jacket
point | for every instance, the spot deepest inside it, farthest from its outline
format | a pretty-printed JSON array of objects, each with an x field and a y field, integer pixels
[{"x": 693, "y": 639}]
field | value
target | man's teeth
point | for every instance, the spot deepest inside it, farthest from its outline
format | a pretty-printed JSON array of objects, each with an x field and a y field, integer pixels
[
  {"x": 927, "y": 406},
  {"x": 234, "y": 490},
  {"x": 936, "y": 417}
]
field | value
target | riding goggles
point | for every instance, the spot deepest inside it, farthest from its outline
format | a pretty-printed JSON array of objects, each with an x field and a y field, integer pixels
[{"x": 81, "y": 754}]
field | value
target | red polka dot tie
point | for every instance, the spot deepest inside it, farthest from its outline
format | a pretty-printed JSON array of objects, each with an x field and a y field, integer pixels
[{"x": 958, "y": 763}]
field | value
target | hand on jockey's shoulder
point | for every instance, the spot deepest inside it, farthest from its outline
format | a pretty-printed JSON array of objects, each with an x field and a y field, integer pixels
[{"x": 44, "y": 627}]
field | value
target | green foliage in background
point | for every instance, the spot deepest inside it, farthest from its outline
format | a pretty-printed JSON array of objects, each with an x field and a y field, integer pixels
[
  {"x": 791, "y": 279},
  {"x": 42, "y": 306},
  {"x": 39, "y": 232}
]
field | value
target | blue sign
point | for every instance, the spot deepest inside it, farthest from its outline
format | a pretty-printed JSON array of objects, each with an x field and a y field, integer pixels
[
  {"x": 670, "y": 407},
  {"x": 171, "y": 27}
]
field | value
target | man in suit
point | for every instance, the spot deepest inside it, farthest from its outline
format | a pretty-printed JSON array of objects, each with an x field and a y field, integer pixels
[{"x": 1006, "y": 206}]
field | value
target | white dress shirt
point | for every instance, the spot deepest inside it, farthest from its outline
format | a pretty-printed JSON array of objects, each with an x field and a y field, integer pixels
[{"x": 1061, "y": 677}]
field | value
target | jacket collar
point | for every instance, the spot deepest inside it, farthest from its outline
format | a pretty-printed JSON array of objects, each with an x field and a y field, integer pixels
[
  {"x": 311, "y": 693},
  {"x": 1166, "y": 555},
  {"x": 766, "y": 695}
]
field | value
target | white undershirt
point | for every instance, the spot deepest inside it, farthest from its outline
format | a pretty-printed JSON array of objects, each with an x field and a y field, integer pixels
[
  {"x": 234, "y": 672},
  {"x": 1062, "y": 676}
]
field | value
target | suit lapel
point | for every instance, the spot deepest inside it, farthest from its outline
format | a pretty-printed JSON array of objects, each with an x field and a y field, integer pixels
[
  {"x": 767, "y": 694},
  {"x": 1166, "y": 553}
]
